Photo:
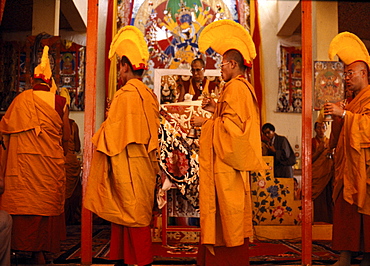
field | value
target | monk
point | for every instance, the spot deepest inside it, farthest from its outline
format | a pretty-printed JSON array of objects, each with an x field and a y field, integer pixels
[
  {"x": 351, "y": 140},
  {"x": 73, "y": 181},
  {"x": 322, "y": 175},
  {"x": 197, "y": 84},
  {"x": 123, "y": 171},
  {"x": 230, "y": 147},
  {"x": 34, "y": 128}
]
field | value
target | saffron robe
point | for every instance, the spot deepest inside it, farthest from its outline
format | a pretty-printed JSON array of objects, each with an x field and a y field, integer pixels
[
  {"x": 230, "y": 147},
  {"x": 34, "y": 170},
  {"x": 352, "y": 154},
  {"x": 351, "y": 194},
  {"x": 35, "y": 173},
  {"x": 121, "y": 183},
  {"x": 191, "y": 88},
  {"x": 322, "y": 169},
  {"x": 322, "y": 182}
]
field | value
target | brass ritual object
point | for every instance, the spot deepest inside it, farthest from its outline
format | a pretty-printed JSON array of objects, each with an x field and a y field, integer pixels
[
  {"x": 327, "y": 118},
  {"x": 193, "y": 134}
]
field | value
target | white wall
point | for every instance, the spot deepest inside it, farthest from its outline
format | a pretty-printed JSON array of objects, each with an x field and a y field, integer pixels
[
  {"x": 286, "y": 124},
  {"x": 81, "y": 6}
]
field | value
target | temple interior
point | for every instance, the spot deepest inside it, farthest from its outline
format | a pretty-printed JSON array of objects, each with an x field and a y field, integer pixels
[{"x": 79, "y": 33}]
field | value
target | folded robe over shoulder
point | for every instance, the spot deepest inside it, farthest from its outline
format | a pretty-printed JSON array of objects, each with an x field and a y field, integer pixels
[
  {"x": 121, "y": 183},
  {"x": 35, "y": 173}
]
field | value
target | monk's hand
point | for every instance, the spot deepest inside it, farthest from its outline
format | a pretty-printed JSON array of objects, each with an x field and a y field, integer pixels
[
  {"x": 333, "y": 109},
  {"x": 209, "y": 104},
  {"x": 197, "y": 121}
]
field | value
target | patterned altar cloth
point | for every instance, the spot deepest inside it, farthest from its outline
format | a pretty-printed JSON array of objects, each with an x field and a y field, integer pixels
[{"x": 179, "y": 153}]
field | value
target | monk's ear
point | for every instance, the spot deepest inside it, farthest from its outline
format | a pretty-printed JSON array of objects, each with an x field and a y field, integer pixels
[
  {"x": 125, "y": 67},
  {"x": 233, "y": 64}
]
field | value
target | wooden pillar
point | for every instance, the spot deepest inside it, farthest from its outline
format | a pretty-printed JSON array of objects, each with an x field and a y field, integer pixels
[
  {"x": 89, "y": 127},
  {"x": 307, "y": 132}
]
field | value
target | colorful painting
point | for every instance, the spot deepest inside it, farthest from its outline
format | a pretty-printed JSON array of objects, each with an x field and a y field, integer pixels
[
  {"x": 290, "y": 81},
  {"x": 172, "y": 28},
  {"x": 329, "y": 85}
]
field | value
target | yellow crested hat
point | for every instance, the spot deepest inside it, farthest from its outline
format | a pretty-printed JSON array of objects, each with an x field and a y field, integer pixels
[
  {"x": 224, "y": 35},
  {"x": 349, "y": 48},
  {"x": 43, "y": 70},
  {"x": 130, "y": 42}
]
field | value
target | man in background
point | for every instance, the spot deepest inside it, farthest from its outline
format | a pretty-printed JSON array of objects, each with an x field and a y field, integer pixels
[
  {"x": 279, "y": 147},
  {"x": 351, "y": 139},
  {"x": 122, "y": 179}
]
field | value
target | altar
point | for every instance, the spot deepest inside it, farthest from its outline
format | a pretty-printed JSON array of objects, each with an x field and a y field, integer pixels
[{"x": 276, "y": 201}]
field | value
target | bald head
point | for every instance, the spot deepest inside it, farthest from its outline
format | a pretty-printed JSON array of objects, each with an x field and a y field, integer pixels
[{"x": 356, "y": 76}]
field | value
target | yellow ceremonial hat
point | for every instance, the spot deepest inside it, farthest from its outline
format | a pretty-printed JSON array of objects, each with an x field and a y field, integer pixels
[
  {"x": 224, "y": 35},
  {"x": 130, "y": 42},
  {"x": 43, "y": 70},
  {"x": 349, "y": 48}
]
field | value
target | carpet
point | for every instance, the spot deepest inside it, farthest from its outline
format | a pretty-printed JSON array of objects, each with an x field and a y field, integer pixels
[
  {"x": 289, "y": 251},
  {"x": 71, "y": 249},
  {"x": 262, "y": 251}
]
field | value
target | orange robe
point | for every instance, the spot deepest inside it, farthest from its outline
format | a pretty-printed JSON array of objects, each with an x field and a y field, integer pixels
[
  {"x": 322, "y": 183},
  {"x": 352, "y": 154},
  {"x": 35, "y": 173},
  {"x": 122, "y": 178},
  {"x": 123, "y": 171},
  {"x": 230, "y": 147},
  {"x": 72, "y": 204},
  {"x": 351, "y": 225}
]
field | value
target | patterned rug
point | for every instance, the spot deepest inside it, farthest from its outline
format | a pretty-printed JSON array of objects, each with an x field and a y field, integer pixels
[
  {"x": 289, "y": 251},
  {"x": 262, "y": 252}
]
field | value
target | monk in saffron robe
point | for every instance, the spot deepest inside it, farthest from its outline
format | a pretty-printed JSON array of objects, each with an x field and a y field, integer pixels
[
  {"x": 351, "y": 139},
  {"x": 197, "y": 84},
  {"x": 322, "y": 175},
  {"x": 73, "y": 181},
  {"x": 123, "y": 171},
  {"x": 230, "y": 147},
  {"x": 34, "y": 128}
]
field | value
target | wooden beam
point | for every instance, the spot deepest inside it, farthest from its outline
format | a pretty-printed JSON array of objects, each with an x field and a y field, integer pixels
[
  {"x": 89, "y": 127},
  {"x": 307, "y": 133},
  {"x": 72, "y": 14}
]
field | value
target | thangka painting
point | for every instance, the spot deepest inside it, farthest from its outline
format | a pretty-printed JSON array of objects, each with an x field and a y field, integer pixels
[
  {"x": 67, "y": 61},
  {"x": 329, "y": 85},
  {"x": 172, "y": 28},
  {"x": 290, "y": 80}
]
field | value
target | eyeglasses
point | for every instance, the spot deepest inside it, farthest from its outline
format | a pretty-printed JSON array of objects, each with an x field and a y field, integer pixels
[
  {"x": 194, "y": 70},
  {"x": 221, "y": 65},
  {"x": 350, "y": 73}
]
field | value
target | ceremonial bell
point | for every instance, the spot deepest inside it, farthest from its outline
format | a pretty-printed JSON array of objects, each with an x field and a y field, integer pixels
[{"x": 193, "y": 133}]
